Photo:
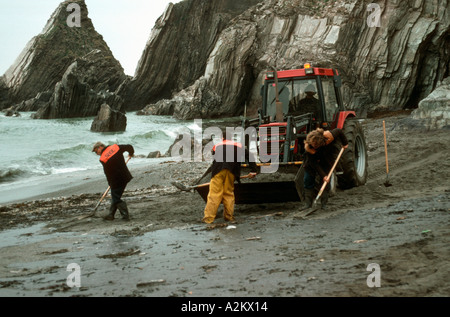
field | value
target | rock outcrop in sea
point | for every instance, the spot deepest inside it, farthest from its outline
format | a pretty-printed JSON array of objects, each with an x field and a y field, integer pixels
[
  {"x": 109, "y": 120},
  {"x": 66, "y": 71}
]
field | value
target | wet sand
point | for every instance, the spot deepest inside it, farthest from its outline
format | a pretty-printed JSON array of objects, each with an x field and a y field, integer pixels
[{"x": 165, "y": 251}]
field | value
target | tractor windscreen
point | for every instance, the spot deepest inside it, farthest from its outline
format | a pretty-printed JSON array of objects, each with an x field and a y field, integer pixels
[{"x": 298, "y": 96}]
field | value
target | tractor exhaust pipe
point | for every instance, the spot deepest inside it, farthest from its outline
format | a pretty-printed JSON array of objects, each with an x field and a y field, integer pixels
[{"x": 279, "y": 105}]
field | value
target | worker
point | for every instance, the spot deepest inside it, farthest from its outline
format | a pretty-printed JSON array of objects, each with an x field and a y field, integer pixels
[
  {"x": 321, "y": 152},
  {"x": 309, "y": 104},
  {"x": 117, "y": 175},
  {"x": 226, "y": 169}
]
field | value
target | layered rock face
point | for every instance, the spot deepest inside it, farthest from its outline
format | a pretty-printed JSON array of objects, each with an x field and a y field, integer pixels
[
  {"x": 400, "y": 62},
  {"x": 390, "y": 66},
  {"x": 67, "y": 70},
  {"x": 179, "y": 47},
  {"x": 206, "y": 59},
  {"x": 74, "y": 95}
]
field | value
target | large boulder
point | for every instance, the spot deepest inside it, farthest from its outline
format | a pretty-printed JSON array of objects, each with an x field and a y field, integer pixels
[
  {"x": 109, "y": 120},
  {"x": 434, "y": 110},
  {"x": 190, "y": 103}
]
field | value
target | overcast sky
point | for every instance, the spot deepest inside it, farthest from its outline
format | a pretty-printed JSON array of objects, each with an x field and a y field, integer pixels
[{"x": 124, "y": 24}]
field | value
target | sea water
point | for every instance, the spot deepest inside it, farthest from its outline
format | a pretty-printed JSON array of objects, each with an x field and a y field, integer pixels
[
  {"x": 33, "y": 149},
  {"x": 43, "y": 147}
]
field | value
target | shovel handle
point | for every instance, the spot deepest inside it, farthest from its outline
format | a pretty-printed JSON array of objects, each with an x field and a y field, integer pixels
[
  {"x": 330, "y": 173},
  {"x": 385, "y": 147},
  {"x": 103, "y": 197}
]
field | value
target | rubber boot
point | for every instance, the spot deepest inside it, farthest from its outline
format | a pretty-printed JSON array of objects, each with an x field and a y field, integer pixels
[
  {"x": 112, "y": 212},
  {"x": 309, "y": 197},
  {"x": 123, "y": 210},
  {"x": 324, "y": 198}
]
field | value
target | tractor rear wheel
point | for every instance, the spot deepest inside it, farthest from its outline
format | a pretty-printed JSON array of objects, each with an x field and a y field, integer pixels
[{"x": 354, "y": 161}]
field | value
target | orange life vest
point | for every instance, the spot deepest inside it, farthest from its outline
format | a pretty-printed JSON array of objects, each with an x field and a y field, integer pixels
[
  {"x": 228, "y": 142},
  {"x": 109, "y": 152}
]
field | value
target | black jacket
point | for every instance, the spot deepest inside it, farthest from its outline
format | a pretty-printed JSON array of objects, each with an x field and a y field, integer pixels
[
  {"x": 114, "y": 166},
  {"x": 230, "y": 155},
  {"x": 326, "y": 155}
]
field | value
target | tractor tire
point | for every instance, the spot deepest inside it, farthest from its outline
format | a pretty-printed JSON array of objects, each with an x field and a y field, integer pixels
[{"x": 354, "y": 161}]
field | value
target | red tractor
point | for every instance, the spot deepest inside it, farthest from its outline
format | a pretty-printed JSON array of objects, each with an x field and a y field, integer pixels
[{"x": 294, "y": 102}]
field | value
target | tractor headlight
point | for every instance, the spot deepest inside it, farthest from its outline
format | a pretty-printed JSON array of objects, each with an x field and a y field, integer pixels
[{"x": 273, "y": 138}]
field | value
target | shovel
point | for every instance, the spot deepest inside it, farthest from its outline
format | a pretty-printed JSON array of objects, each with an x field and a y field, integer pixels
[
  {"x": 204, "y": 174},
  {"x": 386, "y": 183},
  {"x": 314, "y": 205},
  {"x": 92, "y": 214},
  {"x": 185, "y": 188}
]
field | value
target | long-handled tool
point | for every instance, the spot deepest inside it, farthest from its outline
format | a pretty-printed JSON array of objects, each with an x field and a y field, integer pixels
[
  {"x": 92, "y": 214},
  {"x": 386, "y": 183},
  {"x": 204, "y": 174},
  {"x": 185, "y": 188},
  {"x": 314, "y": 205}
]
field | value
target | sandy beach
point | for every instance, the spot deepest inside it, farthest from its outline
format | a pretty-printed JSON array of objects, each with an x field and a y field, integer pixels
[{"x": 165, "y": 250}]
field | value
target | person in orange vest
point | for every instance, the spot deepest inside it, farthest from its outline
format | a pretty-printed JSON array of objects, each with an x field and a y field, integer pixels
[
  {"x": 117, "y": 175},
  {"x": 226, "y": 168}
]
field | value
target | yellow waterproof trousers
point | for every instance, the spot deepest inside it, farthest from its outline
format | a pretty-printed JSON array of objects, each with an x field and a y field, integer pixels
[{"x": 221, "y": 190}]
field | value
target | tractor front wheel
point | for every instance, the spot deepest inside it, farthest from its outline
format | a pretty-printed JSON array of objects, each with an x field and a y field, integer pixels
[{"x": 354, "y": 161}]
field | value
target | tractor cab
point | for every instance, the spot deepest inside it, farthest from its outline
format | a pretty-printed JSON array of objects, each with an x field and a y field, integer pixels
[
  {"x": 299, "y": 101},
  {"x": 314, "y": 91}
]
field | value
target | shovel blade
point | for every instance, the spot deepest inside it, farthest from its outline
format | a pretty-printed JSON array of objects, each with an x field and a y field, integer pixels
[
  {"x": 92, "y": 214},
  {"x": 181, "y": 186},
  {"x": 305, "y": 213},
  {"x": 387, "y": 183},
  {"x": 259, "y": 193}
]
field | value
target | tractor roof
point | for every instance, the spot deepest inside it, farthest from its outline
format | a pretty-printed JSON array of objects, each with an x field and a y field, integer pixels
[{"x": 303, "y": 72}]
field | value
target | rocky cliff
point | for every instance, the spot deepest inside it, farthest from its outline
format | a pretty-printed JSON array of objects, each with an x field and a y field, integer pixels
[
  {"x": 206, "y": 59},
  {"x": 71, "y": 65},
  {"x": 179, "y": 46},
  {"x": 390, "y": 66}
]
